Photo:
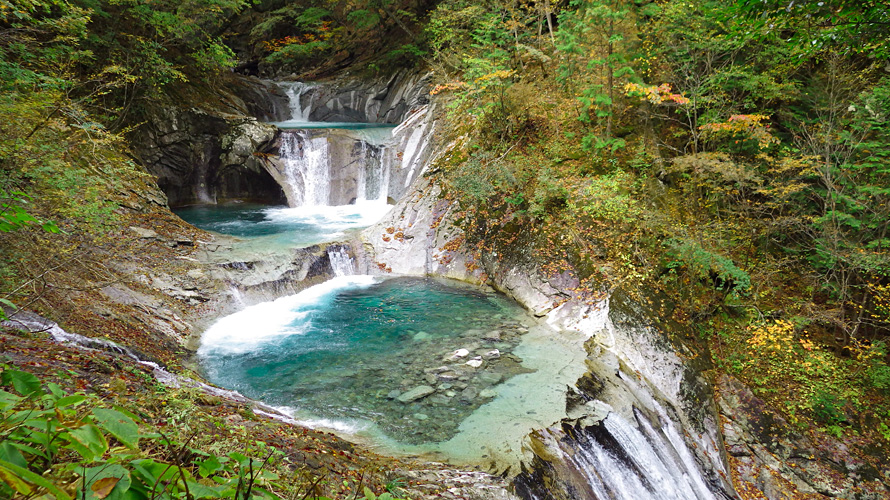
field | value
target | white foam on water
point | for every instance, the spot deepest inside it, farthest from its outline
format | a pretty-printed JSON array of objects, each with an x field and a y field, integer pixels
[
  {"x": 332, "y": 219},
  {"x": 265, "y": 322}
]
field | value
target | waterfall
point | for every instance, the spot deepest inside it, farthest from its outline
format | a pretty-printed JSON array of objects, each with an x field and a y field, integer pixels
[
  {"x": 341, "y": 263},
  {"x": 237, "y": 296},
  {"x": 373, "y": 183},
  {"x": 636, "y": 426},
  {"x": 618, "y": 459},
  {"x": 294, "y": 92},
  {"x": 334, "y": 163},
  {"x": 307, "y": 167}
]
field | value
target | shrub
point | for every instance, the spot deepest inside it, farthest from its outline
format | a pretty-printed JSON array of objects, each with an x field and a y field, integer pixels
[{"x": 828, "y": 408}]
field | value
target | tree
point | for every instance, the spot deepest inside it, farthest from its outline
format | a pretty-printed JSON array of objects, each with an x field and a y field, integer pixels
[{"x": 596, "y": 48}]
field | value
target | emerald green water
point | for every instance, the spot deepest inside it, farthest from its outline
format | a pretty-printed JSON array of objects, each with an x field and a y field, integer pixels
[
  {"x": 304, "y": 125},
  {"x": 284, "y": 226},
  {"x": 343, "y": 351}
]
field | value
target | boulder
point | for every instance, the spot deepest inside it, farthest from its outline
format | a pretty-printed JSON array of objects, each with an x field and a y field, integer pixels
[{"x": 145, "y": 233}]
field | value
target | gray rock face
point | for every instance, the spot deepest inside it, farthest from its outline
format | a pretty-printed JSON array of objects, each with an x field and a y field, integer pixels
[
  {"x": 386, "y": 100},
  {"x": 783, "y": 463},
  {"x": 418, "y": 392},
  {"x": 211, "y": 154}
]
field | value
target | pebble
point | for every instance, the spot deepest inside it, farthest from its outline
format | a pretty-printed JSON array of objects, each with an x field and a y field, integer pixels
[
  {"x": 487, "y": 393},
  {"x": 393, "y": 394},
  {"x": 475, "y": 362},
  {"x": 448, "y": 376},
  {"x": 421, "y": 416},
  {"x": 492, "y": 354},
  {"x": 430, "y": 378}
]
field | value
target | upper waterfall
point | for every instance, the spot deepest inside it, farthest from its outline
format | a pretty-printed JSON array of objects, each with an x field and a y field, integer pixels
[
  {"x": 333, "y": 163},
  {"x": 294, "y": 92}
]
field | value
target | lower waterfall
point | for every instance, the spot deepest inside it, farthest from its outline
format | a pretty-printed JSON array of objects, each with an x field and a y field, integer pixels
[
  {"x": 341, "y": 263},
  {"x": 307, "y": 164}
]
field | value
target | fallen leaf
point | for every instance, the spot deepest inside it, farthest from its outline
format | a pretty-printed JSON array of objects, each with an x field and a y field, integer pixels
[{"x": 102, "y": 488}]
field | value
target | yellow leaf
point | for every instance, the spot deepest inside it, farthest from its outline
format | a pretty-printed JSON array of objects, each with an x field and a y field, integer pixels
[
  {"x": 14, "y": 481},
  {"x": 102, "y": 488}
]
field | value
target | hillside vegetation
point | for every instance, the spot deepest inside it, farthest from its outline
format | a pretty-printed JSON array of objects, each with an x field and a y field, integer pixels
[{"x": 735, "y": 157}]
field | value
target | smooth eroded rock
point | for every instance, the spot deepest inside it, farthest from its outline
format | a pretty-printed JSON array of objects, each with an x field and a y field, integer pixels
[{"x": 418, "y": 392}]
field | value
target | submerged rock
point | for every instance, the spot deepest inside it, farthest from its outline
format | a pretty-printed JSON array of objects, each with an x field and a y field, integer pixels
[
  {"x": 494, "y": 336},
  {"x": 418, "y": 392},
  {"x": 490, "y": 377},
  {"x": 460, "y": 353},
  {"x": 493, "y": 354},
  {"x": 469, "y": 394},
  {"x": 487, "y": 393}
]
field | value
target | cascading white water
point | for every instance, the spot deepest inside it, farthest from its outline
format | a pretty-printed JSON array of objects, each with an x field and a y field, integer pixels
[
  {"x": 341, "y": 263},
  {"x": 313, "y": 155},
  {"x": 294, "y": 92},
  {"x": 237, "y": 296},
  {"x": 373, "y": 183},
  {"x": 307, "y": 165}
]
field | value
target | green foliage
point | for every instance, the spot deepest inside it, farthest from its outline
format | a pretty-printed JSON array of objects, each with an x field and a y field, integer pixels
[
  {"x": 596, "y": 28},
  {"x": 878, "y": 371},
  {"x": 861, "y": 26},
  {"x": 828, "y": 408},
  {"x": 13, "y": 215},
  {"x": 607, "y": 197},
  {"x": 707, "y": 266},
  {"x": 483, "y": 175},
  {"x": 363, "y": 18},
  {"x": 68, "y": 446}
]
